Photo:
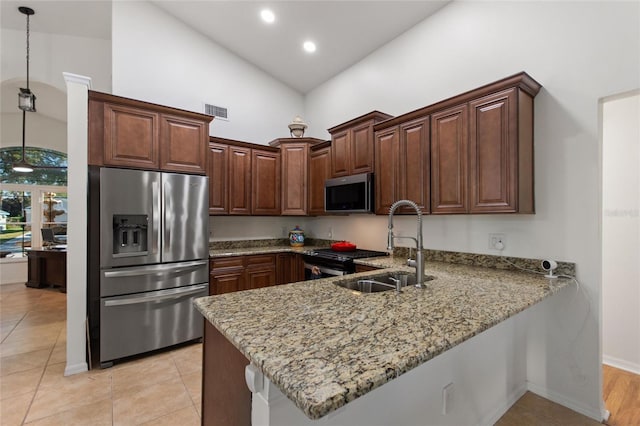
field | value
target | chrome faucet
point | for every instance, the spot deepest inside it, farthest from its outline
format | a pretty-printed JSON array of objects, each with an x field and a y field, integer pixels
[{"x": 418, "y": 263}]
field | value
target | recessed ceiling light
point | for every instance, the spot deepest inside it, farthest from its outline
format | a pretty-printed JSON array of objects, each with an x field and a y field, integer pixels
[
  {"x": 309, "y": 46},
  {"x": 267, "y": 16}
]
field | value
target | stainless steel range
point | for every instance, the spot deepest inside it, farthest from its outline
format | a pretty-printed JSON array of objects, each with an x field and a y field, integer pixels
[{"x": 334, "y": 263}]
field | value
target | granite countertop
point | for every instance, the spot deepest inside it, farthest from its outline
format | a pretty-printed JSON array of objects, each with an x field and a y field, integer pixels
[
  {"x": 324, "y": 346},
  {"x": 243, "y": 251}
]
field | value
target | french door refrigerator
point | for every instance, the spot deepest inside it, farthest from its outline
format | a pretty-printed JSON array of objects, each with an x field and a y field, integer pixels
[{"x": 153, "y": 260}]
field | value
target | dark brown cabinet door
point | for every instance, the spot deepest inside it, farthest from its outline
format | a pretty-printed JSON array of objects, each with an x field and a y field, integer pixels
[
  {"x": 130, "y": 137},
  {"x": 265, "y": 185},
  {"x": 226, "y": 399},
  {"x": 415, "y": 176},
  {"x": 227, "y": 282},
  {"x": 239, "y": 180},
  {"x": 226, "y": 275},
  {"x": 449, "y": 160},
  {"x": 261, "y": 271},
  {"x": 294, "y": 179},
  {"x": 361, "y": 154},
  {"x": 183, "y": 144},
  {"x": 319, "y": 171},
  {"x": 493, "y": 152},
  {"x": 340, "y": 153},
  {"x": 387, "y": 149},
  {"x": 218, "y": 172}
]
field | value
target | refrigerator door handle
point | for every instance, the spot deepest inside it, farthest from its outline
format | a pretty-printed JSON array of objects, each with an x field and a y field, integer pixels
[
  {"x": 167, "y": 216},
  {"x": 155, "y": 215},
  {"x": 155, "y": 269},
  {"x": 166, "y": 295}
]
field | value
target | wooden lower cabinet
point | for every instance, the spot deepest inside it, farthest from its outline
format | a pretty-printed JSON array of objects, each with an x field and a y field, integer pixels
[
  {"x": 237, "y": 273},
  {"x": 260, "y": 271},
  {"x": 226, "y": 399}
]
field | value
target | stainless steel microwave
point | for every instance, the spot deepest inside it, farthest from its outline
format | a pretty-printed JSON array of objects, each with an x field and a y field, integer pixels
[{"x": 349, "y": 194}]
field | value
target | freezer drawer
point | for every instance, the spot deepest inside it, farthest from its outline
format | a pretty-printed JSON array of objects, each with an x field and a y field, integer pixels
[
  {"x": 138, "y": 323},
  {"x": 136, "y": 279}
]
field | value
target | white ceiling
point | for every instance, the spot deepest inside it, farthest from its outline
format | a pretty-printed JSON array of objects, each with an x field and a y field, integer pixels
[{"x": 344, "y": 31}]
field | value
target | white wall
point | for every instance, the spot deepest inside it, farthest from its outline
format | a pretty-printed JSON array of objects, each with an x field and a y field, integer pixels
[
  {"x": 579, "y": 52},
  {"x": 51, "y": 55},
  {"x": 621, "y": 232},
  {"x": 159, "y": 59},
  {"x": 227, "y": 228}
]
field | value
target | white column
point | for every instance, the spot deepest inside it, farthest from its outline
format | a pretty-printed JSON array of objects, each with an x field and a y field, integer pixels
[{"x": 77, "y": 147}]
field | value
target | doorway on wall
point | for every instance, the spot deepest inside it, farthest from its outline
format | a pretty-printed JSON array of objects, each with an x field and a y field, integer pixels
[{"x": 620, "y": 115}]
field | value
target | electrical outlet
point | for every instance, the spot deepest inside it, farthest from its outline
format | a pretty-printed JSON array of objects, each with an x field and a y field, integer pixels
[
  {"x": 497, "y": 241},
  {"x": 447, "y": 399}
]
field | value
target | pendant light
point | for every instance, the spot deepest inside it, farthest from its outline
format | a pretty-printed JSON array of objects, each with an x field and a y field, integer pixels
[{"x": 27, "y": 103}]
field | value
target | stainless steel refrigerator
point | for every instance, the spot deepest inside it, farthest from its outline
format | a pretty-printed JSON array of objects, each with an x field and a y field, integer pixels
[{"x": 154, "y": 233}]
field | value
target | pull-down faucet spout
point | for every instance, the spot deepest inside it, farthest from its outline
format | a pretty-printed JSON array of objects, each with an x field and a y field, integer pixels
[{"x": 419, "y": 262}]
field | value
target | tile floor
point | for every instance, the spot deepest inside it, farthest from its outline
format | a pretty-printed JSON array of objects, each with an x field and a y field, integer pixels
[{"x": 164, "y": 389}]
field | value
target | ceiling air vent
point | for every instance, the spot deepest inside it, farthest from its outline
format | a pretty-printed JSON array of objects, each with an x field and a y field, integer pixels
[{"x": 217, "y": 111}]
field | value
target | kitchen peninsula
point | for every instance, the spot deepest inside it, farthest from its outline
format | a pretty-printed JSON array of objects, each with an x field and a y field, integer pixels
[{"x": 324, "y": 346}]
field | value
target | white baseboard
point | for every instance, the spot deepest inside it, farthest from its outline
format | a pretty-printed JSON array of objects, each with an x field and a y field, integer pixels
[
  {"x": 76, "y": 368},
  {"x": 492, "y": 418},
  {"x": 631, "y": 367},
  {"x": 594, "y": 413}
]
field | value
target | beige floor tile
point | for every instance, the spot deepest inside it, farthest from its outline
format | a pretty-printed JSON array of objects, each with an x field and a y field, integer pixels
[
  {"x": 147, "y": 371},
  {"x": 59, "y": 353},
  {"x": 95, "y": 414},
  {"x": 20, "y": 346},
  {"x": 50, "y": 330},
  {"x": 193, "y": 383},
  {"x": 13, "y": 410},
  {"x": 61, "y": 394},
  {"x": 20, "y": 383},
  {"x": 184, "y": 417},
  {"x": 146, "y": 403},
  {"x": 16, "y": 363},
  {"x": 188, "y": 359},
  {"x": 13, "y": 315},
  {"x": 6, "y": 327},
  {"x": 54, "y": 377}
]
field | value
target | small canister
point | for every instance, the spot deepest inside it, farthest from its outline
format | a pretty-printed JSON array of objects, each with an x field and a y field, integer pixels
[{"x": 296, "y": 237}]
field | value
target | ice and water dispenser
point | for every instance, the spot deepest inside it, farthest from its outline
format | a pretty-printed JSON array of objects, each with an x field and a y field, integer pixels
[{"x": 130, "y": 234}]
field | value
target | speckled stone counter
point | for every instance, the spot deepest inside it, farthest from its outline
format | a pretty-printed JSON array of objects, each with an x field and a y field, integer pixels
[{"x": 324, "y": 346}]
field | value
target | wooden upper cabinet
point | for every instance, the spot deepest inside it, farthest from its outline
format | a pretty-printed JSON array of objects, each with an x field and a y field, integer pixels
[
  {"x": 130, "y": 137},
  {"x": 415, "y": 153},
  {"x": 402, "y": 166},
  {"x": 361, "y": 155},
  {"x": 218, "y": 172},
  {"x": 181, "y": 146},
  {"x": 135, "y": 134},
  {"x": 387, "y": 165},
  {"x": 294, "y": 178},
  {"x": 341, "y": 153},
  {"x": 352, "y": 147},
  {"x": 449, "y": 160},
  {"x": 319, "y": 171},
  {"x": 239, "y": 180},
  {"x": 294, "y": 157},
  {"x": 495, "y": 152},
  {"x": 265, "y": 183}
]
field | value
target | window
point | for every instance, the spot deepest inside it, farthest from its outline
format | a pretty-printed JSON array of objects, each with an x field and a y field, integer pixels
[{"x": 31, "y": 201}]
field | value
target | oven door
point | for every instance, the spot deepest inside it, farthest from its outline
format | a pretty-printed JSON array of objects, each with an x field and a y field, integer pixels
[{"x": 325, "y": 272}]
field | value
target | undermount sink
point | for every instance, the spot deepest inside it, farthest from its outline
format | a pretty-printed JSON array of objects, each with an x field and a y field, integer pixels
[{"x": 381, "y": 282}]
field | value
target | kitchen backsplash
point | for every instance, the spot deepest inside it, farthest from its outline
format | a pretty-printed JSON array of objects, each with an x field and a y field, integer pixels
[
  {"x": 487, "y": 260},
  {"x": 472, "y": 259}
]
